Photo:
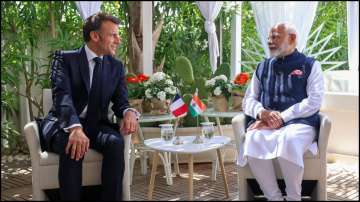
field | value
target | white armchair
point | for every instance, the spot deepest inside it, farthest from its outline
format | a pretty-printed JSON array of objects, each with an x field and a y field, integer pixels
[
  {"x": 45, "y": 165},
  {"x": 315, "y": 166}
]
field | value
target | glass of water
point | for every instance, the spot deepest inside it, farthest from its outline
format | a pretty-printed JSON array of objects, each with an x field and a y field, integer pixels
[
  {"x": 167, "y": 132},
  {"x": 207, "y": 129}
]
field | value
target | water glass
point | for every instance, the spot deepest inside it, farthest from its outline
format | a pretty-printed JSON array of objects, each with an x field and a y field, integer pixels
[
  {"x": 207, "y": 129},
  {"x": 167, "y": 132}
]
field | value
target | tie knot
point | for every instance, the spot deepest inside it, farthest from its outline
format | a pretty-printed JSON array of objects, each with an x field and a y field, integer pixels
[{"x": 97, "y": 60}]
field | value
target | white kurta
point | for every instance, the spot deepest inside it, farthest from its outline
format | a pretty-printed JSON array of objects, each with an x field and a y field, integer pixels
[{"x": 289, "y": 142}]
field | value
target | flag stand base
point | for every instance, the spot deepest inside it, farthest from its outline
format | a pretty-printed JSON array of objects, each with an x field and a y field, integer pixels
[
  {"x": 177, "y": 141},
  {"x": 198, "y": 140}
]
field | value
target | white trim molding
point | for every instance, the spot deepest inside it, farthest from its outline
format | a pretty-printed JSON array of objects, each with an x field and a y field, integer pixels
[{"x": 147, "y": 20}]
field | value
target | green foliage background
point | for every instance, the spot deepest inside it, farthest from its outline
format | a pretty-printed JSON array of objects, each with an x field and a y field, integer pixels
[
  {"x": 332, "y": 13},
  {"x": 25, "y": 24}
]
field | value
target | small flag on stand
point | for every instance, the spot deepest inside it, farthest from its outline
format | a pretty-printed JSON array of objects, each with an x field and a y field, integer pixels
[
  {"x": 178, "y": 108},
  {"x": 196, "y": 106}
]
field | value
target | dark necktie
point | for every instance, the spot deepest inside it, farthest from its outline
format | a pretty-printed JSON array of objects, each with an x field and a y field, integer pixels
[{"x": 93, "y": 114}]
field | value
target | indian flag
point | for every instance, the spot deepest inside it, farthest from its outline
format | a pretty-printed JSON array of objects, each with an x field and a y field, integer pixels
[{"x": 196, "y": 106}]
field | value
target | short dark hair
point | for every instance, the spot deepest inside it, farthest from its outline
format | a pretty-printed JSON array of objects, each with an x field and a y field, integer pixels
[{"x": 94, "y": 23}]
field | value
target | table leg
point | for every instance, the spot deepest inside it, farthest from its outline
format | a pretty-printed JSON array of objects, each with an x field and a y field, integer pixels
[
  {"x": 215, "y": 163},
  {"x": 223, "y": 173},
  {"x": 153, "y": 173},
  {"x": 191, "y": 163}
]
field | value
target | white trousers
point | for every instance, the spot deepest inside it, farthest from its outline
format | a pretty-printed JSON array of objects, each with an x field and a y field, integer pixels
[{"x": 264, "y": 173}]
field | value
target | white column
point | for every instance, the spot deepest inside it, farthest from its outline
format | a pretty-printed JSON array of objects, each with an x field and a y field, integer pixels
[
  {"x": 236, "y": 43},
  {"x": 221, "y": 40},
  {"x": 353, "y": 45},
  {"x": 147, "y": 20}
]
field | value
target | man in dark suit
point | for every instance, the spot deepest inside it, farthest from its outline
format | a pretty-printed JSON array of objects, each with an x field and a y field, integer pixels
[{"x": 84, "y": 82}]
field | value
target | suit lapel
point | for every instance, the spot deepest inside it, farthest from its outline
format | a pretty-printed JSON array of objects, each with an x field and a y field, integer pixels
[{"x": 84, "y": 69}]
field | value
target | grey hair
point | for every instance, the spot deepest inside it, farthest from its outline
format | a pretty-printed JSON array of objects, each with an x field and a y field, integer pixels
[{"x": 290, "y": 28}]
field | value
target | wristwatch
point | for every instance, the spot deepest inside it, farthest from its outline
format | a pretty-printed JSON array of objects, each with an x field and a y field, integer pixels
[{"x": 137, "y": 114}]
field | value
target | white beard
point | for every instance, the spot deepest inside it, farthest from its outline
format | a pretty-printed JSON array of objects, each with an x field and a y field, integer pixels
[{"x": 280, "y": 52}]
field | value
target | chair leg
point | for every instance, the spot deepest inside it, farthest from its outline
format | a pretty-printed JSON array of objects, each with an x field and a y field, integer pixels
[
  {"x": 321, "y": 194},
  {"x": 176, "y": 165},
  {"x": 167, "y": 167},
  {"x": 39, "y": 195},
  {"x": 143, "y": 163},
  {"x": 215, "y": 166},
  {"x": 166, "y": 160},
  {"x": 242, "y": 186},
  {"x": 132, "y": 164}
]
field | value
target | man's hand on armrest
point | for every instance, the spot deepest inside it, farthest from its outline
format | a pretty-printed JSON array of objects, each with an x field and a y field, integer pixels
[
  {"x": 129, "y": 123},
  {"x": 78, "y": 143}
]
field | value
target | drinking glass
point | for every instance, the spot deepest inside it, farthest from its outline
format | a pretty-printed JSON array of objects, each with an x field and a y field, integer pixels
[
  {"x": 207, "y": 129},
  {"x": 167, "y": 132}
]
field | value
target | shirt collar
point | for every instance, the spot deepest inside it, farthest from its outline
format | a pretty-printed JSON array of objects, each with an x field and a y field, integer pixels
[{"x": 91, "y": 54}]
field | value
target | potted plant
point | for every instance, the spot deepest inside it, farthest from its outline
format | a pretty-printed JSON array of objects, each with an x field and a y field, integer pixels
[
  {"x": 239, "y": 85},
  {"x": 159, "y": 90},
  {"x": 136, "y": 89},
  {"x": 187, "y": 82},
  {"x": 220, "y": 89}
]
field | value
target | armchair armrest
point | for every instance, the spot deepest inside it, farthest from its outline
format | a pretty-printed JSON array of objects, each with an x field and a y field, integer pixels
[
  {"x": 238, "y": 125},
  {"x": 126, "y": 180},
  {"x": 324, "y": 132},
  {"x": 31, "y": 132}
]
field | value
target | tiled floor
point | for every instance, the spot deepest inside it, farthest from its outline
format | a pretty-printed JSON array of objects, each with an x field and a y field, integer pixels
[{"x": 343, "y": 183}]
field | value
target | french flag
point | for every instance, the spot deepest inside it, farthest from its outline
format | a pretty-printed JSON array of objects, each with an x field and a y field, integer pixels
[{"x": 178, "y": 108}]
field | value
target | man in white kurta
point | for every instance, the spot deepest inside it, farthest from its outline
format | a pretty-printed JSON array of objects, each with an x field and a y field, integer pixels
[{"x": 282, "y": 100}]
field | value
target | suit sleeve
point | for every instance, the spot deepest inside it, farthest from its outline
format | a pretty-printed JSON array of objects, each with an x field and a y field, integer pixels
[
  {"x": 120, "y": 96},
  {"x": 61, "y": 92}
]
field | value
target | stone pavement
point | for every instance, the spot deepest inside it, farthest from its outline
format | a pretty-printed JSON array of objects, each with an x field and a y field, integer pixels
[{"x": 343, "y": 182}]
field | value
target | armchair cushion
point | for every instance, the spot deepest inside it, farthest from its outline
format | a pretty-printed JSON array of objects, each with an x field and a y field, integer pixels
[{"x": 49, "y": 158}]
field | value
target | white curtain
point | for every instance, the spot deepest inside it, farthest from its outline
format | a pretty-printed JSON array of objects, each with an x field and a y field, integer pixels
[
  {"x": 210, "y": 10},
  {"x": 353, "y": 34},
  {"x": 300, "y": 14},
  {"x": 87, "y": 8}
]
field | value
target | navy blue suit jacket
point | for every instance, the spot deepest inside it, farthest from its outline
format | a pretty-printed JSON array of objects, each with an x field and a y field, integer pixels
[{"x": 70, "y": 91}]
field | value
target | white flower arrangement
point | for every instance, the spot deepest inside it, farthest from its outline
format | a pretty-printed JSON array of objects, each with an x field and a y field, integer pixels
[
  {"x": 169, "y": 82},
  {"x": 160, "y": 86},
  {"x": 219, "y": 85},
  {"x": 217, "y": 91},
  {"x": 210, "y": 83}
]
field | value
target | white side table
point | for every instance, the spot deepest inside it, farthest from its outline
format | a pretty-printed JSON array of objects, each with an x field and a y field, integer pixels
[
  {"x": 189, "y": 148},
  {"x": 217, "y": 115}
]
